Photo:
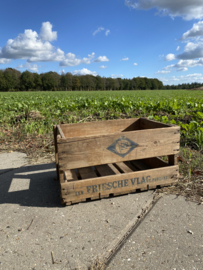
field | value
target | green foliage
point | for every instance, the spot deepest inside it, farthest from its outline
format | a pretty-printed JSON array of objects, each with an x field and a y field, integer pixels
[
  {"x": 173, "y": 107},
  {"x": 13, "y": 80}
]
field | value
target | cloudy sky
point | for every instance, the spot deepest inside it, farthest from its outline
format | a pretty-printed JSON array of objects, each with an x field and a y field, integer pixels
[{"x": 113, "y": 38}]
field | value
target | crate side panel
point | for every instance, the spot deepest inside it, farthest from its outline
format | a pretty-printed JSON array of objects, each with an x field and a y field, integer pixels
[
  {"x": 90, "y": 151},
  {"x": 119, "y": 183},
  {"x": 100, "y": 127}
]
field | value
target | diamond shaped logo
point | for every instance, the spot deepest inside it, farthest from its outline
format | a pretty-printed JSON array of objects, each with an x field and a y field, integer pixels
[{"x": 122, "y": 146}]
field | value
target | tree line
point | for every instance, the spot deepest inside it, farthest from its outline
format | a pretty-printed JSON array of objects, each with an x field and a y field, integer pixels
[
  {"x": 13, "y": 80},
  {"x": 184, "y": 86}
]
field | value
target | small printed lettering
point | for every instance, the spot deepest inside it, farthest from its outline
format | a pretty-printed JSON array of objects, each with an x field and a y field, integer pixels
[
  {"x": 121, "y": 184},
  {"x": 132, "y": 181},
  {"x": 125, "y": 182},
  {"x": 78, "y": 193}
]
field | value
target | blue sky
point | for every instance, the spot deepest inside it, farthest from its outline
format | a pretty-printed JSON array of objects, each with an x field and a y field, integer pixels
[{"x": 116, "y": 38}]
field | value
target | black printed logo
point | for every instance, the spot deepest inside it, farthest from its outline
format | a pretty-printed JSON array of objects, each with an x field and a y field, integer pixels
[{"x": 122, "y": 146}]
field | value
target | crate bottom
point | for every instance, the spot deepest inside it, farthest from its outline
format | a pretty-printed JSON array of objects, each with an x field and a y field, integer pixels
[{"x": 104, "y": 181}]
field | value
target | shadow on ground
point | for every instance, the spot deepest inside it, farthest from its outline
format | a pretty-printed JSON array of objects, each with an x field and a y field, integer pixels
[{"x": 30, "y": 186}]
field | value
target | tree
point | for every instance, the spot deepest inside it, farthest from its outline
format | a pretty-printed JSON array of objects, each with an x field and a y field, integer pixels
[
  {"x": 64, "y": 82},
  {"x": 2, "y": 81},
  {"x": 50, "y": 81},
  {"x": 26, "y": 81},
  {"x": 37, "y": 81},
  {"x": 12, "y": 77},
  {"x": 99, "y": 84},
  {"x": 76, "y": 83}
]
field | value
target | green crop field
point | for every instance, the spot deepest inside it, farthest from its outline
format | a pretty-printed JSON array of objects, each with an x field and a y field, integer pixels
[
  {"x": 27, "y": 118},
  {"x": 37, "y": 112}
]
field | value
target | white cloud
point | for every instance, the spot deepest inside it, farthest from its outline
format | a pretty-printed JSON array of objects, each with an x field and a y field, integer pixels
[
  {"x": 178, "y": 48},
  {"x": 107, "y": 32},
  {"x": 98, "y": 30},
  {"x": 49, "y": 56},
  {"x": 183, "y": 65},
  {"x": 135, "y": 64},
  {"x": 163, "y": 72},
  {"x": 101, "y": 59},
  {"x": 187, "y": 9},
  {"x": 170, "y": 57},
  {"x": 37, "y": 48},
  {"x": 28, "y": 66},
  {"x": 195, "y": 31},
  {"x": 4, "y": 61},
  {"x": 103, "y": 67},
  {"x": 71, "y": 60},
  {"x": 192, "y": 51},
  {"x": 46, "y": 33},
  {"x": 32, "y": 47},
  {"x": 125, "y": 59},
  {"x": 182, "y": 69},
  {"x": 62, "y": 71},
  {"x": 84, "y": 71},
  {"x": 113, "y": 76},
  {"x": 196, "y": 77}
]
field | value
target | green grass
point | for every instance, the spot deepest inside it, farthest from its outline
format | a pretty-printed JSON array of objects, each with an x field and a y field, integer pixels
[{"x": 172, "y": 106}]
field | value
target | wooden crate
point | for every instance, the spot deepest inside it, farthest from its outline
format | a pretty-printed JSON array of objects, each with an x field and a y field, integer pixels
[{"x": 98, "y": 159}]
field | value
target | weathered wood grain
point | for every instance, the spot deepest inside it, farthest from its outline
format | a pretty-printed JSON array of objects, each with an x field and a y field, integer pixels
[
  {"x": 119, "y": 183},
  {"x": 56, "y": 151},
  {"x": 87, "y": 173},
  {"x": 60, "y": 131},
  {"x": 70, "y": 175},
  {"x": 100, "y": 127},
  {"x": 93, "y": 150},
  {"x": 125, "y": 167}
]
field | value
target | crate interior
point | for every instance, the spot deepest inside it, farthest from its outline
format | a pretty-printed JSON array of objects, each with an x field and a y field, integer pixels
[
  {"x": 114, "y": 168},
  {"x": 108, "y": 127}
]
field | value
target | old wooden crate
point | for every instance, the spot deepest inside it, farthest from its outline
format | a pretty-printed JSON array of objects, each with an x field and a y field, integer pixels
[{"x": 102, "y": 158}]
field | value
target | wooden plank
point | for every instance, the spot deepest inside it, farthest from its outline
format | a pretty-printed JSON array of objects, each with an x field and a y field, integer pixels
[
  {"x": 172, "y": 159},
  {"x": 155, "y": 162},
  {"x": 90, "y": 151},
  {"x": 140, "y": 165},
  {"x": 56, "y": 151},
  {"x": 145, "y": 123},
  {"x": 124, "y": 167},
  {"x": 115, "y": 170},
  {"x": 70, "y": 175},
  {"x": 86, "y": 173},
  {"x": 118, "y": 183},
  {"x": 60, "y": 131},
  {"x": 100, "y": 127}
]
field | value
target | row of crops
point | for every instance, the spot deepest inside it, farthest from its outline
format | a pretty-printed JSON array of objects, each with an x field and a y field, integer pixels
[{"x": 39, "y": 111}]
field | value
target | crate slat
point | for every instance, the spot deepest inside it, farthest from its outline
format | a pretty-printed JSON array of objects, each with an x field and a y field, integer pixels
[
  {"x": 118, "y": 183},
  {"x": 86, "y": 173},
  {"x": 82, "y": 152},
  {"x": 124, "y": 167},
  {"x": 106, "y": 169}
]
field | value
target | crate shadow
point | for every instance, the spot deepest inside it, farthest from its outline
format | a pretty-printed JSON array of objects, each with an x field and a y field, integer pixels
[{"x": 31, "y": 185}]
